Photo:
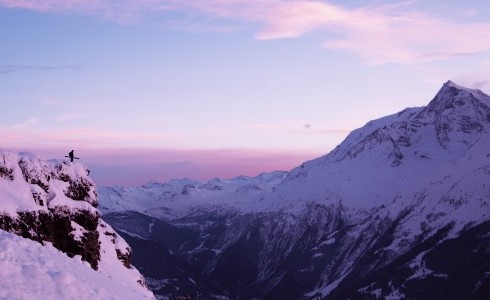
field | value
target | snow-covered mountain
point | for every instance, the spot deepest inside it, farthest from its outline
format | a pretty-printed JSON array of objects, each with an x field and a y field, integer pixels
[
  {"x": 74, "y": 253},
  {"x": 400, "y": 209},
  {"x": 175, "y": 197}
]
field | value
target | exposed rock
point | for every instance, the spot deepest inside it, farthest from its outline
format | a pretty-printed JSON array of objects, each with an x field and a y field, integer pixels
[{"x": 61, "y": 209}]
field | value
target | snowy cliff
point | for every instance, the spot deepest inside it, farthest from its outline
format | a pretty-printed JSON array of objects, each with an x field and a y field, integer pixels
[{"x": 55, "y": 203}]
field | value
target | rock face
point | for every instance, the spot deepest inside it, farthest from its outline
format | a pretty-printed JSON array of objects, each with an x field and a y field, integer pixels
[
  {"x": 400, "y": 209},
  {"x": 56, "y": 202}
]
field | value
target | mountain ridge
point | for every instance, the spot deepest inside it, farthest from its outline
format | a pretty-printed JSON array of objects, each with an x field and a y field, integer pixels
[{"x": 385, "y": 214}]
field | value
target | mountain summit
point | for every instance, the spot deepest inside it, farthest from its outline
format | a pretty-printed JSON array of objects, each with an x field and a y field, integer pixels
[{"x": 400, "y": 209}]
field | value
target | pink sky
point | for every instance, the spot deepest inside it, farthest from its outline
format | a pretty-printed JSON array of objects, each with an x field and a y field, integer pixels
[
  {"x": 138, "y": 166},
  {"x": 159, "y": 89}
]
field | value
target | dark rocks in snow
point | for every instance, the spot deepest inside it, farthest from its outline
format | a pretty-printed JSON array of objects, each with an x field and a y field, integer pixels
[
  {"x": 455, "y": 109},
  {"x": 61, "y": 210},
  {"x": 80, "y": 188},
  {"x": 57, "y": 229},
  {"x": 124, "y": 257},
  {"x": 6, "y": 170},
  {"x": 187, "y": 189}
]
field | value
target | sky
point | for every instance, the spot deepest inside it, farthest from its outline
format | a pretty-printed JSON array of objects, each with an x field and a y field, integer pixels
[{"x": 157, "y": 89}]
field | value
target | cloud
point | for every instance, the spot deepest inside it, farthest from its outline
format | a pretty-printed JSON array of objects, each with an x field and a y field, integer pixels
[
  {"x": 377, "y": 33},
  {"x": 470, "y": 13},
  {"x": 481, "y": 84},
  {"x": 26, "y": 135},
  {"x": 282, "y": 80},
  {"x": 474, "y": 82},
  {"x": 7, "y": 69},
  {"x": 27, "y": 123},
  {"x": 72, "y": 116},
  {"x": 124, "y": 11}
]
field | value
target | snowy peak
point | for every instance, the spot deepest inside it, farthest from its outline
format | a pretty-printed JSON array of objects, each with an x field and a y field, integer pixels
[
  {"x": 459, "y": 115},
  {"x": 453, "y": 96},
  {"x": 397, "y": 153},
  {"x": 454, "y": 119}
]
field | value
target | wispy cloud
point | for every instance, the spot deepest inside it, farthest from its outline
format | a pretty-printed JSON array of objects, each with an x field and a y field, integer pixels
[
  {"x": 7, "y": 69},
  {"x": 482, "y": 84},
  {"x": 26, "y": 135},
  {"x": 470, "y": 13},
  {"x": 124, "y": 11},
  {"x": 72, "y": 116},
  {"x": 281, "y": 80},
  {"x": 474, "y": 80},
  {"x": 377, "y": 33},
  {"x": 27, "y": 123}
]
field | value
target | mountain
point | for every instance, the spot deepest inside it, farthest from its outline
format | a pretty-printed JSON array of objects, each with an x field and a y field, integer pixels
[
  {"x": 400, "y": 209},
  {"x": 54, "y": 204},
  {"x": 175, "y": 197}
]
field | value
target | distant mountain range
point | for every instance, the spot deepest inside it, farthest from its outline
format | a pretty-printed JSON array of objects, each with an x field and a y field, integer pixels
[{"x": 400, "y": 209}]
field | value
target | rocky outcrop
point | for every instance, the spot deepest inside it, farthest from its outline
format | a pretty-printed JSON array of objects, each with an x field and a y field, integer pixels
[
  {"x": 55, "y": 201},
  {"x": 58, "y": 229}
]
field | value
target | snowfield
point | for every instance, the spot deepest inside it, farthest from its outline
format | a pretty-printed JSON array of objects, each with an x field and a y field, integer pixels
[{"x": 29, "y": 270}]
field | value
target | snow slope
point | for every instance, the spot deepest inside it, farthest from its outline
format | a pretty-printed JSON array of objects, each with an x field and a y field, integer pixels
[{"x": 29, "y": 270}]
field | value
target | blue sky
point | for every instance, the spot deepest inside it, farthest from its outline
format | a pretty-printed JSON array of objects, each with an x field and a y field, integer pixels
[{"x": 267, "y": 79}]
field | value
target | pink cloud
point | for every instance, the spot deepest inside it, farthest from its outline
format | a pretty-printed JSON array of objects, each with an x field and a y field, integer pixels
[
  {"x": 377, "y": 34},
  {"x": 121, "y": 11},
  {"x": 23, "y": 135},
  {"x": 32, "y": 121}
]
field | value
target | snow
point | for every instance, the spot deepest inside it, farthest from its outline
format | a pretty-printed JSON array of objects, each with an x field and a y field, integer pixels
[
  {"x": 58, "y": 198},
  {"x": 29, "y": 270},
  {"x": 31, "y": 184},
  {"x": 175, "y": 197},
  {"x": 110, "y": 265},
  {"x": 432, "y": 161},
  {"x": 78, "y": 231},
  {"x": 150, "y": 226},
  {"x": 475, "y": 92},
  {"x": 17, "y": 194},
  {"x": 328, "y": 242}
]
